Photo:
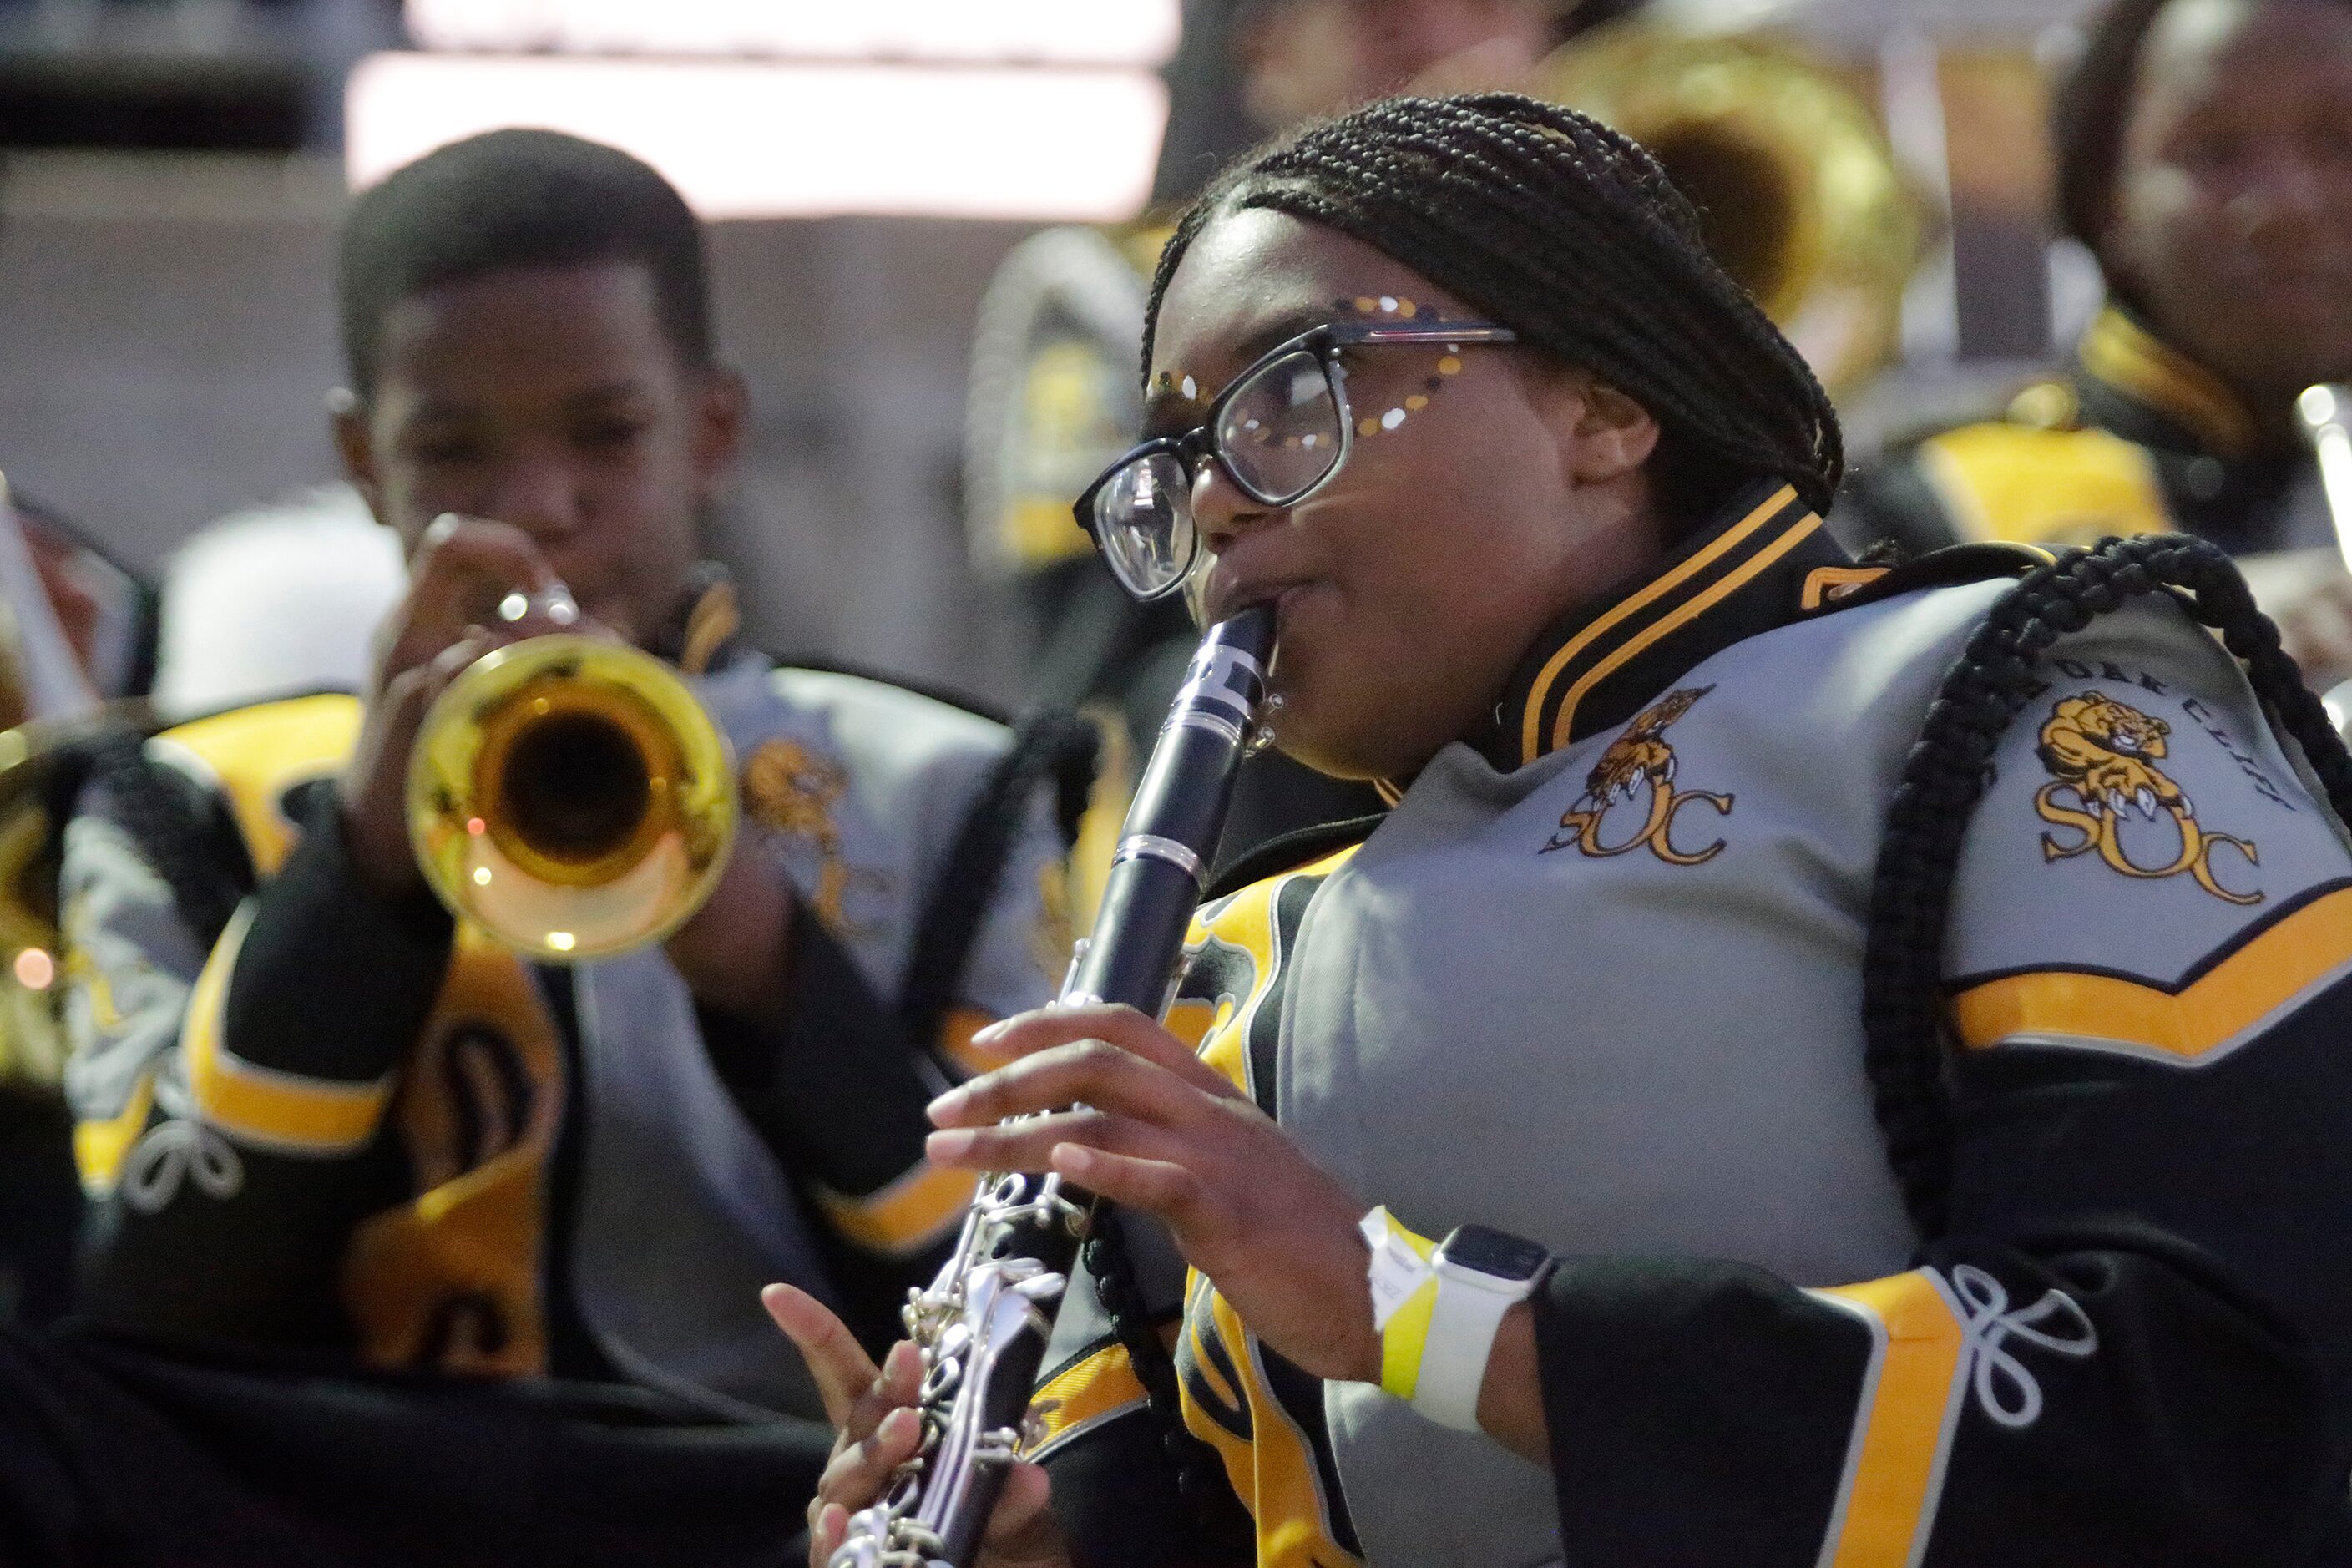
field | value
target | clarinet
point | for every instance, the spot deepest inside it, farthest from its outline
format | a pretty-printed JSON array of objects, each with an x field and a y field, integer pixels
[{"x": 984, "y": 1323}]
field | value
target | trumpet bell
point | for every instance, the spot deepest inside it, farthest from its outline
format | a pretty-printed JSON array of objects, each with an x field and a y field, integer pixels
[{"x": 570, "y": 797}]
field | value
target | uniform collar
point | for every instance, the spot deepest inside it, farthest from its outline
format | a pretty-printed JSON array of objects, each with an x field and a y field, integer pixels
[
  {"x": 702, "y": 631},
  {"x": 2146, "y": 391},
  {"x": 1763, "y": 562}
]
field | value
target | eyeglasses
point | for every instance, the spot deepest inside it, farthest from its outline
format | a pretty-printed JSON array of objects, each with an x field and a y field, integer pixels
[{"x": 1280, "y": 430}]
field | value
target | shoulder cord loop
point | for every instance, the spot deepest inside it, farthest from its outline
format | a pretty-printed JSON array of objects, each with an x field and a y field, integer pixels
[
  {"x": 1048, "y": 747},
  {"x": 1904, "y": 1014}
]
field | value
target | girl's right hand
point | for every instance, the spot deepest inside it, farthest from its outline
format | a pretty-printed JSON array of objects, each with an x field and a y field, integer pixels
[{"x": 876, "y": 1430}]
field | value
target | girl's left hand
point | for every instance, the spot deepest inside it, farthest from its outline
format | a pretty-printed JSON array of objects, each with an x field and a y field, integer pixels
[{"x": 1163, "y": 1132}]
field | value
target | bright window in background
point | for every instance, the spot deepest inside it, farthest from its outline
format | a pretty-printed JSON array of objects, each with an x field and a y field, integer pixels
[
  {"x": 1065, "y": 31},
  {"x": 751, "y": 139},
  {"x": 1046, "y": 110}
]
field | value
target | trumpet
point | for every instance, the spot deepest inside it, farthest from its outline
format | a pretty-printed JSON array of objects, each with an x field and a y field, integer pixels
[{"x": 571, "y": 796}]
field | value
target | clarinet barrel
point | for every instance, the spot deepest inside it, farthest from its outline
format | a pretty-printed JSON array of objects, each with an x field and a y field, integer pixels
[{"x": 984, "y": 1323}]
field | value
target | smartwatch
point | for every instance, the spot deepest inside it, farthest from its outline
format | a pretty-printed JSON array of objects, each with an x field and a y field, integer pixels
[{"x": 1481, "y": 1275}]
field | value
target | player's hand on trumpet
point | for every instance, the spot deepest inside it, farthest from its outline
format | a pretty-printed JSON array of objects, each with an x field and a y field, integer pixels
[
  {"x": 876, "y": 1430},
  {"x": 474, "y": 585}
]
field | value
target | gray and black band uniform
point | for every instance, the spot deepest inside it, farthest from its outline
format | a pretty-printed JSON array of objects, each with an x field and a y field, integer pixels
[
  {"x": 1596, "y": 981},
  {"x": 347, "y": 1125}
]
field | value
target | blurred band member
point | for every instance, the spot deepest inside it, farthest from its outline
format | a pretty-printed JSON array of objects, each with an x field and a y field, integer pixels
[
  {"x": 2205, "y": 157},
  {"x": 324, "y": 1126}
]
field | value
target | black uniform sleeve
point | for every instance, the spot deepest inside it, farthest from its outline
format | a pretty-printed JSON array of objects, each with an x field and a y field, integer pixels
[
  {"x": 837, "y": 1090},
  {"x": 839, "y": 1086},
  {"x": 240, "y": 1146}
]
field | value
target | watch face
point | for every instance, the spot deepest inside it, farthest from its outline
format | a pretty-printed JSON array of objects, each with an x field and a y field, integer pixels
[{"x": 1495, "y": 1253}]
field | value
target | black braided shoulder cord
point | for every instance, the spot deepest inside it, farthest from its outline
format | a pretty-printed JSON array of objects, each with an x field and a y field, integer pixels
[
  {"x": 1217, "y": 1512},
  {"x": 1945, "y": 774},
  {"x": 1055, "y": 747}
]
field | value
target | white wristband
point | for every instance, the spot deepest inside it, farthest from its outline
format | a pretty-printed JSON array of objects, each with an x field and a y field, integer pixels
[{"x": 1461, "y": 1339}]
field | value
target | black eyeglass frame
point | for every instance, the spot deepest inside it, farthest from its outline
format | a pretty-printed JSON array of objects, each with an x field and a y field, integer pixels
[{"x": 1201, "y": 443}]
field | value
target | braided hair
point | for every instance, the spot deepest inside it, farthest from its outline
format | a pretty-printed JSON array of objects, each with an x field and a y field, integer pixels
[
  {"x": 1574, "y": 236},
  {"x": 2089, "y": 111}
]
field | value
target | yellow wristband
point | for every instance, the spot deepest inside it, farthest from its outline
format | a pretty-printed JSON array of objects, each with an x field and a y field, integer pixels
[{"x": 1402, "y": 1274}]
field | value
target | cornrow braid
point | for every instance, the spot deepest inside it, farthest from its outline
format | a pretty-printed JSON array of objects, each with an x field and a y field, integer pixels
[
  {"x": 1572, "y": 236},
  {"x": 1904, "y": 1020}
]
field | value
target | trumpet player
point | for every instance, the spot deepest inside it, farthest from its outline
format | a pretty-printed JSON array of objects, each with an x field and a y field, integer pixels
[
  {"x": 320, "y": 1117},
  {"x": 2204, "y": 152}
]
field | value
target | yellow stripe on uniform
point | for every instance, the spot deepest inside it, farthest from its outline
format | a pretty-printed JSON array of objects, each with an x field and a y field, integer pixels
[
  {"x": 1082, "y": 1396},
  {"x": 1902, "y": 1430},
  {"x": 1681, "y": 615},
  {"x": 1530, "y": 741},
  {"x": 101, "y": 1146},
  {"x": 1823, "y": 583},
  {"x": 259, "y": 752},
  {"x": 2119, "y": 351},
  {"x": 1242, "y": 920},
  {"x": 2197, "y": 1025},
  {"x": 906, "y": 1216},
  {"x": 262, "y": 1105}
]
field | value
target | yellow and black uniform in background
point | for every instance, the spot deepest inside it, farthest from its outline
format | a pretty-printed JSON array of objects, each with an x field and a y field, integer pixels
[
  {"x": 2132, "y": 437},
  {"x": 345, "y": 1122}
]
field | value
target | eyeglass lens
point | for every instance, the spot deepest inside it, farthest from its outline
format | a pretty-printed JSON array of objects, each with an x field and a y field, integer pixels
[
  {"x": 1145, "y": 518},
  {"x": 1280, "y": 433}
]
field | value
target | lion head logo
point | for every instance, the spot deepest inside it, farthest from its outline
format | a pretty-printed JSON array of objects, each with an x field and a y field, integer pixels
[
  {"x": 2102, "y": 755},
  {"x": 1641, "y": 755},
  {"x": 794, "y": 791},
  {"x": 2104, "y": 750},
  {"x": 1640, "y": 758}
]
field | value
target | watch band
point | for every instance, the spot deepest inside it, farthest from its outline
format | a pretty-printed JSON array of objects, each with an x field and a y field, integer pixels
[
  {"x": 1461, "y": 1338},
  {"x": 1437, "y": 1306}
]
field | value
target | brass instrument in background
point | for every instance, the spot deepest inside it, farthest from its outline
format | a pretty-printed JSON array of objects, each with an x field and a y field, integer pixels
[
  {"x": 46, "y": 704},
  {"x": 1799, "y": 194},
  {"x": 572, "y": 798}
]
